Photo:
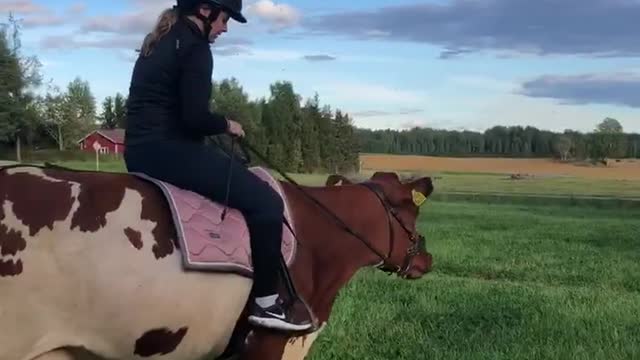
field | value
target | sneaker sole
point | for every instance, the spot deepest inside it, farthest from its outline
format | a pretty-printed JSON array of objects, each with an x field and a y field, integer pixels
[{"x": 278, "y": 324}]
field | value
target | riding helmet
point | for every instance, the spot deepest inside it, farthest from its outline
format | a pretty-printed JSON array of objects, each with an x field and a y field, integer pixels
[{"x": 232, "y": 7}]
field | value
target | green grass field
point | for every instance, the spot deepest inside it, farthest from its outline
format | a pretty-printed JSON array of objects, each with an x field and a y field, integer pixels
[
  {"x": 510, "y": 282},
  {"x": 521, "y": 280}
]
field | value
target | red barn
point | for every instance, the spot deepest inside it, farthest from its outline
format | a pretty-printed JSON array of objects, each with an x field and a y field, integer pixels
[{"x": 111, "y": 141}]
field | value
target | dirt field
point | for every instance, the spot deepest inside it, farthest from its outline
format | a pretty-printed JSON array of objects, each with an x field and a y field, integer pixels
[{"x": 623, "y": 170}]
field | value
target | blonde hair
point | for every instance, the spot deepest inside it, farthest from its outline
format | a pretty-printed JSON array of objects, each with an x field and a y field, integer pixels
[{"x": 166, "y": 20}]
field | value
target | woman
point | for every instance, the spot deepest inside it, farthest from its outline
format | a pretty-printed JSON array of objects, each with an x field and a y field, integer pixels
[{"x": 168, "y": 119}]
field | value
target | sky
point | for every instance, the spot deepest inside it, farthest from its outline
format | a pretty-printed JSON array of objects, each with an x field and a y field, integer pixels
[{"x": 456, "y": 64}]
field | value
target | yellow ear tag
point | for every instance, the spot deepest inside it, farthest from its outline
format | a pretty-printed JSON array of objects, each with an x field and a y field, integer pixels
[{"x": 418, "y": 197}]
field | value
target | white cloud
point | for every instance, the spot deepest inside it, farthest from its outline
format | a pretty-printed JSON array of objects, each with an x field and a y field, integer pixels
[
  {"x": 372, "y": 93},
  {"x": 271, "y": 55},
  {"x": 278, "y": 15},
  {"x": 37, "y": 20},
  {"x": 481, "y": 82},
  {"x": 108, "y": 42},
  {"x": 32, "y": 14},
  {"x": 512, "y": 109},
  {"x": 21, "y": 7},
  {"x": 77, "y": 8}
]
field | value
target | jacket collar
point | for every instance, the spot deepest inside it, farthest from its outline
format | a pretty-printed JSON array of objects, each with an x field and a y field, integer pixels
[{"x": 194, "y": 28}]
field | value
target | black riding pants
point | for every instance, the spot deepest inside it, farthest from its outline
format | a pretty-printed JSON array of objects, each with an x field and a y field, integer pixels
[{"x": 203, "y": 169}]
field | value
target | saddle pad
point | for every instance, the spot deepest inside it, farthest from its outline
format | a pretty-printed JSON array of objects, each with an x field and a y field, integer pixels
[{"x": 206, "y": 242}]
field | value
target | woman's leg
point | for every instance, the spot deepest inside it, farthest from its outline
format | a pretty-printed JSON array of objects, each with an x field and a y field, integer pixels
[{"x": 204, "y": 169}]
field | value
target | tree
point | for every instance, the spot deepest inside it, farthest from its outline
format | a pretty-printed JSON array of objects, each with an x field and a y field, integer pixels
[
  {"x": 608, "y": 140},
  {"x": 346, "y": 144},
  {"x": 9, "y": 87},
  {"x": 18, "y": 76},
  {"x": 80, "y": 106},
  {"x": 108, "y": 116},
  {"x": 56, "y": 122},
  {"x": 310, "y": 135},
  {"x": 562, "y": 146},
  {"x": 229, "y": 98},
  {"x": 609, "y": 126},
  {"x": 120, "y": 111},
  {"x": 284, "y": 122}
]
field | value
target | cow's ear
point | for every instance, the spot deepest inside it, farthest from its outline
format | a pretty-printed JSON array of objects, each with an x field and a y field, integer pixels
[
  {"x": 337, "y": 180},
  {"x": 421, "y": 189}
]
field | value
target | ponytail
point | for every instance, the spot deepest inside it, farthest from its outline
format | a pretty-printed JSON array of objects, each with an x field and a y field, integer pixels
[{"x": 166, "y": 20}]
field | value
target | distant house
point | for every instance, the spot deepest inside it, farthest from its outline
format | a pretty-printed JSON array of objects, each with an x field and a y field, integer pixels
[{"x": 111, "y": 141}]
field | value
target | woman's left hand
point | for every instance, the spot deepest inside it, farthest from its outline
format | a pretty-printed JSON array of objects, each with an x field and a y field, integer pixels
[{"x": 235, "y": 128}]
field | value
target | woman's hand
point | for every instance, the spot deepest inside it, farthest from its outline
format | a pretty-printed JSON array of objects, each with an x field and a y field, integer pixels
[{"x": 235, "y": 128}]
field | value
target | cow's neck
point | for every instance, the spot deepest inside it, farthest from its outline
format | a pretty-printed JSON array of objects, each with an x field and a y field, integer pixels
[{"x": 328, "y": 256}]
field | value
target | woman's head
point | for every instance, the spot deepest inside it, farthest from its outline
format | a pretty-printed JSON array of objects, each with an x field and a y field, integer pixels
[
  {"x": 211, "y": 16},
  {"x": 210, "y": 19},
  {"x": 208, "y": 10}
]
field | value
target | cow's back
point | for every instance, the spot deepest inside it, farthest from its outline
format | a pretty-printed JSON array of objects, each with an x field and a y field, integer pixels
[{"x": 89, "y": 259}]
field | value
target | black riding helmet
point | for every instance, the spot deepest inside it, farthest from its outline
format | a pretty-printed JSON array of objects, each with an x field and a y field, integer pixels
[{"x": 232, "y": 7}]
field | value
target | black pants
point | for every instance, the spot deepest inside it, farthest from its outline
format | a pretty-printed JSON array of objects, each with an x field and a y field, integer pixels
[{"x": 203, "y": 169}]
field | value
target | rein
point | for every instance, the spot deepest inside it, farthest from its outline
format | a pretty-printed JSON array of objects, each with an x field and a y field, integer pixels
[{"x": 384, "y": 265}]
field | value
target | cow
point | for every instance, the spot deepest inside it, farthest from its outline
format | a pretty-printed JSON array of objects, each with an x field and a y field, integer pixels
[{"x": 92, "y": 265}]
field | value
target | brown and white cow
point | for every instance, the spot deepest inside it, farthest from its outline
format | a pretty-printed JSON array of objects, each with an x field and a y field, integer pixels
[{"x": 90, "y": 267}]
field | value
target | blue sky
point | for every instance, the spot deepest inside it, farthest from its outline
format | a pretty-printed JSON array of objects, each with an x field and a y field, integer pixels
[{"x": 390, "y": 64}]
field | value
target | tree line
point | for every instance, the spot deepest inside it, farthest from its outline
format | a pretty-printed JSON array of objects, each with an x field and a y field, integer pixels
[
  {"x": 607, "y": 140},
  {"x": 296, "y": 136}
]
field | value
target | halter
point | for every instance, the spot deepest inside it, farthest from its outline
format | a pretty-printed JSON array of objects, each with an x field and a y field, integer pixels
[{"x": 417, "y": 241}]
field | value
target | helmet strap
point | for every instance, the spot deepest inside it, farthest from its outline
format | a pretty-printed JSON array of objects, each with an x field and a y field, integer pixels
[{"x": 206, "y": 23}]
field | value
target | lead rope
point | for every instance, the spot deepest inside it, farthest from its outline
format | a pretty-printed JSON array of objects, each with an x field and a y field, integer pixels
[
  {"x": 340, "y": 222},
  {"x": 288, "y": 281},
  {"x": 226, "y": 200}
]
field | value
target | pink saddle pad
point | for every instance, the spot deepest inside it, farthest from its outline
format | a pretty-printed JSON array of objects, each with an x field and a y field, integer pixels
[{"x": 207, "y": 242}]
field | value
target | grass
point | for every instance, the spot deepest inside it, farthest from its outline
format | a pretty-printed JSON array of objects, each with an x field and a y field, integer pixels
[
  {"x": 564, "y": 186},
  {"x": 510, "y": 282}
]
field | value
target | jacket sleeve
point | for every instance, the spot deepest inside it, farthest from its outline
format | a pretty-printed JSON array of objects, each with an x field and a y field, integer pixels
[{"x": 195, "y": 90}]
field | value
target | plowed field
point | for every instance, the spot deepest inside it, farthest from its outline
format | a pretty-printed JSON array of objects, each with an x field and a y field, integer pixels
[{"x": 622, "y": 170}]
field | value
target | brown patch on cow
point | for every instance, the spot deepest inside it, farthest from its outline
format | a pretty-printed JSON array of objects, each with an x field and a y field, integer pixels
[
  {"x": 155, "y": 208},
  {"x": 10, "y": 268},
  {"x": 135, "y": 237},
  {"x": 30, "y": 195},
  {"x": 99, "y": 195},
  {"x": 159, "y": 342},
  {"x": 11, "y": 243}
]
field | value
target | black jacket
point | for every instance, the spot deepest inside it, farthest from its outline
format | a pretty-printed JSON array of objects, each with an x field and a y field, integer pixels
[{"x": 170, "y": 90}]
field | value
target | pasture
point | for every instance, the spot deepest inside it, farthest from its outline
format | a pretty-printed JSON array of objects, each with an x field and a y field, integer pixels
[
  {"x": 520, "y": 280},
  {"x": 509, "y": 282}
]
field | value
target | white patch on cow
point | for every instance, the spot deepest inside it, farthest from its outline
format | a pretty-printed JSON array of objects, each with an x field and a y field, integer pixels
[
  {"x": 35, "y": 171},
  {"x": 12, "y": 222},
  {"x": 298, "y": 348},
  {"x": 95, "y": 290},
  {"x": 132, "y": 204}
]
